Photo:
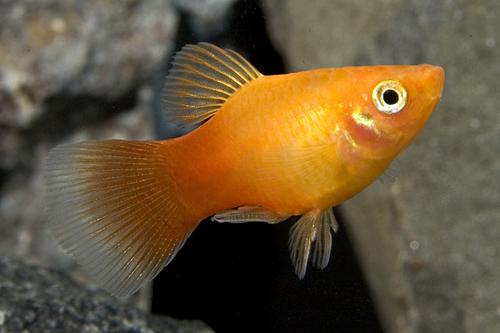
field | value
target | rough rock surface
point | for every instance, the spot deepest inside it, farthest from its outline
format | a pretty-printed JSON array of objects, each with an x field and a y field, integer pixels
[
  {"x": 99, "y": 48},
  {"x": 35, "y": 299},
  {"x": 429, "y": 241}
]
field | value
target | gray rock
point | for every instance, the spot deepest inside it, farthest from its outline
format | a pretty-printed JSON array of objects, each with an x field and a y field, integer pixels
[
  {"x": 429, "y": 241},
  {"x": 77, "y": 47},
  {"x": 70, "y": 48},
  {"x": 35, "y": 299}
]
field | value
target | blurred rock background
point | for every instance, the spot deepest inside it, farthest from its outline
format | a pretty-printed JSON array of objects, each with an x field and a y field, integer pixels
[{"x": 73, "y": 70}]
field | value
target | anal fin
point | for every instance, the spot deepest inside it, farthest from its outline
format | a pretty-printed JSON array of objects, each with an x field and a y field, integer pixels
[
  {"x": 312, "y": 229},
  {"x": 245, "y": 214}
]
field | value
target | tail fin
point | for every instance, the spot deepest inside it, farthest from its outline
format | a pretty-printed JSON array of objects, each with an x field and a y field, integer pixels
[{"x": 113, "y": 206}]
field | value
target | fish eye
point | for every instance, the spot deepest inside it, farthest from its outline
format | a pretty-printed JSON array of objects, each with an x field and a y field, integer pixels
[{"x": 390, "y": 96}]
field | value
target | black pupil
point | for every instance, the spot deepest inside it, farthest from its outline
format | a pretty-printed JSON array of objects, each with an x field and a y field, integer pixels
[{"x": 390, "y": 97}]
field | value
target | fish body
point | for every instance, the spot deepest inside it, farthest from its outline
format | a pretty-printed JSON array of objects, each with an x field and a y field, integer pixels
[{"x": 272, "y": 147}]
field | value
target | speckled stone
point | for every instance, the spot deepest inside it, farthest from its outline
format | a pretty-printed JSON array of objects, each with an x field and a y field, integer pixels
[
  {"x": 99, "y": 48},
  {"x": 35, "y": 299}
]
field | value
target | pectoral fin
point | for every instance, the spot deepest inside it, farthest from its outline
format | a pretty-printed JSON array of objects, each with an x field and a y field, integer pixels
[
  {"x": 313, "y": 228},
  {"x": 249, "y": 214},
  {"x": 390, "y": 174},
  {"x": 298, "y": 168}
]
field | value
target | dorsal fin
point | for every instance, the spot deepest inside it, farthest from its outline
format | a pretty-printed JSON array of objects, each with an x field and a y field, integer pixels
[{"x": 202, "y": 78}]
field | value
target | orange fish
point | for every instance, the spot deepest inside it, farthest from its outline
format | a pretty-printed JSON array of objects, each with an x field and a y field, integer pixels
[{"x": 273, "y": 147}]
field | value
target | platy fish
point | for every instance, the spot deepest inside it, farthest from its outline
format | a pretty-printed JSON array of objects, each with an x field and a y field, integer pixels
[{"x": 271, "y": 147}]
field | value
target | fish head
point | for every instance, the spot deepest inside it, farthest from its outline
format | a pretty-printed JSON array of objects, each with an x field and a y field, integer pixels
[{"x": 387, "y": 106}]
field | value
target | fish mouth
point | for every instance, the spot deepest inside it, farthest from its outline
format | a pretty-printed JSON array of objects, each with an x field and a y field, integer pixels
[{"x": 433, "y": 76}]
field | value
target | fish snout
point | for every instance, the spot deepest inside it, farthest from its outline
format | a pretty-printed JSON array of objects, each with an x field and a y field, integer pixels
[{"x": 433, "y": 78}]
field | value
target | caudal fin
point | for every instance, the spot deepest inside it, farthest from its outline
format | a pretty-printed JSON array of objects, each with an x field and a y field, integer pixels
[{"x": 113, "y": 206}]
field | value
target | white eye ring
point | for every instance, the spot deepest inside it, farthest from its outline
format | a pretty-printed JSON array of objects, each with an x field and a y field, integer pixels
[{"x": 390, "y": 96}]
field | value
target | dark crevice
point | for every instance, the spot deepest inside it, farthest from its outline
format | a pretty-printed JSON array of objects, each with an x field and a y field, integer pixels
[
  {"x": 63, "y": 116},
  {"x": 4, "y": 175},
  {"x": 66, "y": 114}
]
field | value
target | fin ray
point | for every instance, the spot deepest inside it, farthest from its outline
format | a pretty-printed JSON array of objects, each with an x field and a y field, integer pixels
[
  {"x": 213, "y": 56},
  {"x": 245, "y": 214},
  {"x": 201, "y": 80},
  {"x": 312, "y": 229},
  {"x": 214, "y": 73},
  {"x": 323, "y": 241},
  {"x": 299, "y": 165},
  {"x": 114, "y": 208},
  {"x": 391, "y": 173}
]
